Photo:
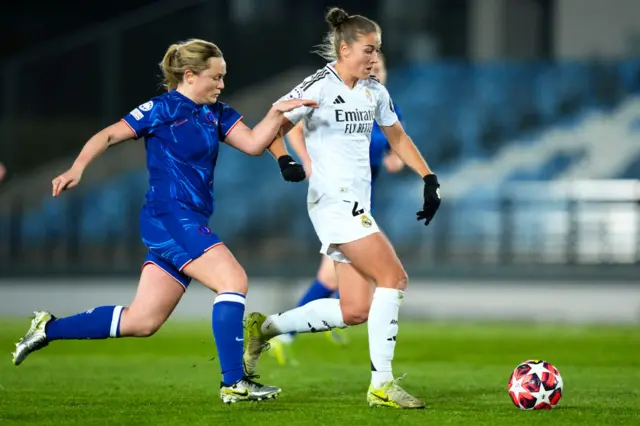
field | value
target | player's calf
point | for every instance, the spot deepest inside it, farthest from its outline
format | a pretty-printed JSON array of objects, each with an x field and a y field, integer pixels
[
  {"x": 137, "y": 324},
  {"x": 355, "y": 315}
]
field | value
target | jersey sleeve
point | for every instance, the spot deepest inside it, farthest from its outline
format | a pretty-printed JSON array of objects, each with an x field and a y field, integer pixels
[
  {"x": 229, "y": 118},
  {"x": 398, "y": 113},
  {"x": 385, "y": 109},
  {"x": 143, "y": 119},
  {"x": 308, "y": 89}
]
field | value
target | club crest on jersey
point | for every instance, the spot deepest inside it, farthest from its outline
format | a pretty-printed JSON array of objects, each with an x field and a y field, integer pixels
[
  {"x": 368, "y": 94},
  {"x": 146, "y": 106},
  {"x": 211, "y": 118},
  {"x": 204, "y": 230},
  {"x": 366, "y": 221}
]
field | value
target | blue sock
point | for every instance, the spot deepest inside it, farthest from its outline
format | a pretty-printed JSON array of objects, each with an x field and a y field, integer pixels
[
  {"x": 228, "y": 332},
  {"x": 315, "y": 292},
  {"x": 97, "y": 323}
]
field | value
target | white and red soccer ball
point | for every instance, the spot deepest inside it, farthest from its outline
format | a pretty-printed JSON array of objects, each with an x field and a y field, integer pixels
[{"x": 535, "y": 385}]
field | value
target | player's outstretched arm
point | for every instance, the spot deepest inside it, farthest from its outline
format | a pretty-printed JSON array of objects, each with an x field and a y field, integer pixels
[
  {"x": 255, "y": 141},
  {"x": 94, "y": 147},
  {"x": 278, "y": 148},
  {"x": 299, "y": 146},
  {"x": 402, "y": 145},
  {"x": 291, "y": 171}
]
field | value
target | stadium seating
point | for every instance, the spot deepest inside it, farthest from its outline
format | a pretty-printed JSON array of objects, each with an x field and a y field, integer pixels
[{"x": 478, "y": 125}]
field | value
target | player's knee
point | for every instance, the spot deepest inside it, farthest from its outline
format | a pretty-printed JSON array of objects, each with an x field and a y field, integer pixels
[
  {"x": 355, "y": 315},
  {"x": 135, "y": 324},
  {"x": 396, "y": 279},
  {"x": 402, "y": 280},
  {"x": 147, "y": 328},
  {"x": 239, "y": 283}
]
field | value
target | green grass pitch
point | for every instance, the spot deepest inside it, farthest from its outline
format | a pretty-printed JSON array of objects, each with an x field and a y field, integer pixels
[{"x": 461, "y": 369}]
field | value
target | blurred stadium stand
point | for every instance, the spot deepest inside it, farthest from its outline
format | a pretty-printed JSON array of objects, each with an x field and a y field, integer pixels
[{"x": 513, "y": 143}]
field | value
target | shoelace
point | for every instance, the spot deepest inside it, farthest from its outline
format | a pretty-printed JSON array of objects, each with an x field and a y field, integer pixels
[
  {"x": 250, "y": 380},
  {"x": 403, "y": 394}
]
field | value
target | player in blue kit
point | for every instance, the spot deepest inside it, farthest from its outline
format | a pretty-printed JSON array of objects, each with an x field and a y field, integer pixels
[
  {"x": 183, "y": 129},
  {"x": 326, "y": 283}
]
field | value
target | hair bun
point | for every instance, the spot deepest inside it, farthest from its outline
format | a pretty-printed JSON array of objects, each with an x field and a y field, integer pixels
[{"x": 336, "y": 17}]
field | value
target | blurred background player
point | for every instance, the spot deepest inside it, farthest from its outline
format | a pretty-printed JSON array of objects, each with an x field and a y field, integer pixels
[
  {"x": 326, "y": 283},
  {"x": 337, "y": 136},
  {"x": 183, "y": 129}
]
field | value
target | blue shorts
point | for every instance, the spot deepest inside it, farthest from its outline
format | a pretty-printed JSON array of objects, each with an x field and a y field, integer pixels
[{"x": 175, "y": 237}]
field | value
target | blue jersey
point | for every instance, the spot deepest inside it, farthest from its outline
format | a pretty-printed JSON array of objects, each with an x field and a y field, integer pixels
[
  {"x": 182, "y": 139},
  {"x": 379, "y": 147}
]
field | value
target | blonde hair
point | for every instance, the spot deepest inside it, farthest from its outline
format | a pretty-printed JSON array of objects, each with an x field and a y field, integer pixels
[
  {"x": 343, "y": 27},
  {"x": 192, "y": 55}
]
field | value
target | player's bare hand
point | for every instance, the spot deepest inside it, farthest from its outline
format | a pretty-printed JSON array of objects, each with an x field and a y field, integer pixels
[
  {"x": 392, "y": 163},
  {"x": 3, "y": 171},
  {"x": 291, "y": 104},
  {"x": 67, "y": 180}
]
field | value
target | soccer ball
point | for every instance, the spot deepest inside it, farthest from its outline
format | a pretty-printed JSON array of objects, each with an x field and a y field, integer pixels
[{"x": 535, "y": 385}]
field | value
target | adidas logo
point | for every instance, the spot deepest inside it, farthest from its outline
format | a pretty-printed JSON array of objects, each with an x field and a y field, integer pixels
[{"x": 338, "y": 100}]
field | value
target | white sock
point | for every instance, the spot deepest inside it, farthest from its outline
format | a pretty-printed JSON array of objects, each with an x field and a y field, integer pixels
[
  {"x": 383, "y": 329},
  {"x": 315, "y": 316}
]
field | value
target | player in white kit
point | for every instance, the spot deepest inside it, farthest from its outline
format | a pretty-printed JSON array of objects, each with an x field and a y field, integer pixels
[{"x": 370, "y": 276}]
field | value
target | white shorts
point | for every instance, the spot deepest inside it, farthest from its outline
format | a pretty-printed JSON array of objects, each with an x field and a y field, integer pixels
[{"x": 338, "y": 221}]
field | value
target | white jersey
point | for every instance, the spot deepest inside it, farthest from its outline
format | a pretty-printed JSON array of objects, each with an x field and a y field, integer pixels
[{"x": 338, "y": 132}]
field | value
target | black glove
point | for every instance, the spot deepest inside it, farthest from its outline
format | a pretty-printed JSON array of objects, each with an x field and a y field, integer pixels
[
  {"x": 291, "y": 171},
  {"x": 431, "y": 199}
]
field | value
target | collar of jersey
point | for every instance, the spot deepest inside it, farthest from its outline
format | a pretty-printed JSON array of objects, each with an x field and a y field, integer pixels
[
  {"x": 330, "y": 67},
  {"x": 186, "y": 100}
]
